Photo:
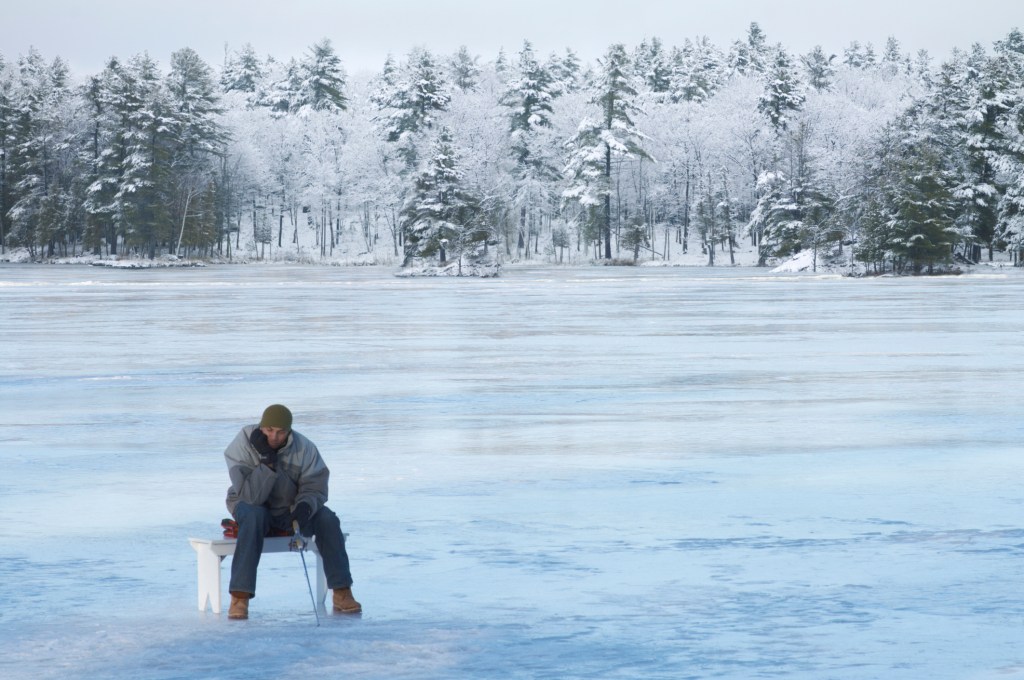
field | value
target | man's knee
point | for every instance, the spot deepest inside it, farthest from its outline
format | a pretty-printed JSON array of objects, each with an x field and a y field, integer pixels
[
  {"x": 325, "y": 518},
  {"x": 252, "y": 515}
]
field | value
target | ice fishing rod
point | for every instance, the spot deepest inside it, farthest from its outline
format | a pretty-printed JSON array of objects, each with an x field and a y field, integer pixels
[{"x": 298, "y": 544}]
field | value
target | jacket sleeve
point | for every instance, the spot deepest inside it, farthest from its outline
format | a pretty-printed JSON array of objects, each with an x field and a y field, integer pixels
[
  {"x": 312, "y": 482},
  {"x": 251, "y": 482}
]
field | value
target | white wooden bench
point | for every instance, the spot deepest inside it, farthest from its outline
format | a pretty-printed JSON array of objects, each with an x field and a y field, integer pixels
[{"x": 210, "y": 552}]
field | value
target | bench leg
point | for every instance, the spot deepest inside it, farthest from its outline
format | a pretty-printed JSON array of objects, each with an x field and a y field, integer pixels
[
  {"x": 321, "y": 581},
  {"x": 208, "y": 565}
]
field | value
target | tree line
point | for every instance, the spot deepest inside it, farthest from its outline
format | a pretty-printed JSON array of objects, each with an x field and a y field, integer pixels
[{"x": 649, "y": 151}]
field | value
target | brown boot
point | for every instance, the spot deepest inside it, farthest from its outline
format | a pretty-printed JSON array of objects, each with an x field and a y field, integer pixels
[
  {"x": 239, "y": 608},
  {"x": 344, "y": 603}
]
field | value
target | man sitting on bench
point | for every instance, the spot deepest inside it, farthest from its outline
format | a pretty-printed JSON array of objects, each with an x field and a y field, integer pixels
[{"x": 277, "y": 478}]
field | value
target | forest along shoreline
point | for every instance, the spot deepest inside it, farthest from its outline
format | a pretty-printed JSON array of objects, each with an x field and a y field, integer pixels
[{"x": 879, "y": 160}]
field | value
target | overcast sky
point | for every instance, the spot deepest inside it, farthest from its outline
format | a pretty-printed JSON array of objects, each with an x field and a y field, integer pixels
[{"x": 363, "y": 32}]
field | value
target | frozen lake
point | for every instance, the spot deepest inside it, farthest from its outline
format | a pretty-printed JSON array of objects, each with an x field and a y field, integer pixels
[{"x": 585, "y": 473}]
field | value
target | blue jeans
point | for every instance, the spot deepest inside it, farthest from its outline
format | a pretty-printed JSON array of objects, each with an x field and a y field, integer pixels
[{"x": 255, "y": 522}]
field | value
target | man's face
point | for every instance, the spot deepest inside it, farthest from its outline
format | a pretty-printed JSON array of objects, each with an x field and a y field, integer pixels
[{"x": 276, "y": 437}]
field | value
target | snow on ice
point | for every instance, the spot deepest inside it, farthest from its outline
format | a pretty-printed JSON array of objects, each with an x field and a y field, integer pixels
[{"x": 558, "y": 473}]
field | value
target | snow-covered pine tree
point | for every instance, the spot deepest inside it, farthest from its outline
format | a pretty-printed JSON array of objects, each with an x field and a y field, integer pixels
[
  {"x": 853, "y": 55},
  {"x": 963, "y": 115},
  {"x": 652, "y": 66},
  {"x": 1009, "y": 53},
  {"x": 783, "y": 91},
  {"x": 696, "y": 71},
  {"x": 102, "y": 155},
  {"x": 243, "y": 72},
  {"x": 382, "y": 85},
  {"x": 795, "y": 207},
  {"x": 40, "y": 169},
  {"x": 760, "y": 52},
  {"x": 197, "y": 141},
  {"x": 143, "y": 192},
  {"x": 819, "y": 68},
  {"x": 923, "y": 212},
  {"x": 909, "y": 215},
  {"x": 529, "y": 96},
  {"x": 284, "y": 89},
  {"x": 464, "y": 69},
  {"x": 922, "y": 67},
  {"x": 7, "y": 119},
  {"x": 441, "y": 215},
  {"x": 596, "y": 142},
  {"x": 870, "y": 58},
  {"x": 567, "y": 72},
  {"x": 412, "y": 104},
  {"x": 321, "y": 81},
  {"x": 893, "y": 59}
]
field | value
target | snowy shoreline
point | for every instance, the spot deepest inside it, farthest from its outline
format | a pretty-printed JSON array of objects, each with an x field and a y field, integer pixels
[{"x": 803, "y": 262}]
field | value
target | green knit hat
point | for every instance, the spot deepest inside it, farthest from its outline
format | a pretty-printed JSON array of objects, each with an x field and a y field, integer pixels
[{"x": 277, "y": 416}]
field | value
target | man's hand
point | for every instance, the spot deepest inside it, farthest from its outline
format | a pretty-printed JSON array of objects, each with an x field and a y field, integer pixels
[
  {"x": 268, "y": 455},
  {"x": 302, "y": 513}
]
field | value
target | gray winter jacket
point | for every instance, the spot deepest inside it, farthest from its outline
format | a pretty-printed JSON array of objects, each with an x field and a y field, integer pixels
[{"x": 301, "y": 475}]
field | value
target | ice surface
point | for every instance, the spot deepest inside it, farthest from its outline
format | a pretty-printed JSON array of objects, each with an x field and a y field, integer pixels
[{"x": 583, "y": 473}]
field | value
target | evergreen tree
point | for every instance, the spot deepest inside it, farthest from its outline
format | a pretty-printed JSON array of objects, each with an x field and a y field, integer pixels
[
  {"x": 922, "y": 212},
  {"x": 243, "y": 72},
  {"x": 501, "y": 64},
  {"x": 1009, "y": 161},
  {"x": 760, "y": 53},
  {"x": 197, "y": 140},
  {"x": 696, "y": 72},
  {"x": 595, "y": 143},
  {"x": 709, "y": 66},
  {"x": 101, "y": 160},
  {"x": 910, "y": 207},
  {"x": 870, "y": 58},
  {"x": 441, "y": 216},
  {"x": 464, "y": 70},
  {"x": 971, "y": 98},
  {"x": 567, "y": 72},
  {"x": 39, "y": 138},
  {"x": 7, "y": 140},
  {"x": 321, "y": 81},
  {"x": 783, "y": 92},
  {"x": 529, "y": 96},
  {"x": 853, "y": 55},
  {"x": 285, "y": 91},
  {"x": 819, "y": 69},
  {"x": 990, "y": 101},
  {"x": 893, "y": 59},
  {"x": 750, "y": 56},
  {"x": 652, "y": 66},
  {"x": 142, "y": 197},
  {"x": 419, "y": 94},
  {"x": 384, "y": 83},
  {"x": 922, "y": 67}
]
